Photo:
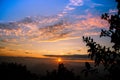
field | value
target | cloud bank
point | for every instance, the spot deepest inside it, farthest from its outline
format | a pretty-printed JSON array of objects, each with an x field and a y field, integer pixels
[{"x": 44, "y": 29}]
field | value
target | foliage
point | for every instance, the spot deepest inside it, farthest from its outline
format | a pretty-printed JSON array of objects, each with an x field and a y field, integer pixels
[
  {"x": 114, "y": 29},
  {"x": 89, "y": 70},
  {"x": 62, "y": 73},
  {"x": 14, "y": 71},
  {"x": 109, "y": 58}
]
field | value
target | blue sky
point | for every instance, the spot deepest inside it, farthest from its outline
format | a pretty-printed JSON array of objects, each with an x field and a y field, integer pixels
[
  {"x": 23, "y": 8},
  {"x": 18, "y": 9},
  {"x": 39, "y": 27}
]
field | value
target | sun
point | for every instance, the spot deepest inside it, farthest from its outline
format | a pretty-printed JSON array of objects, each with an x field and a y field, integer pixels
[{"x": 59, "y": 60}]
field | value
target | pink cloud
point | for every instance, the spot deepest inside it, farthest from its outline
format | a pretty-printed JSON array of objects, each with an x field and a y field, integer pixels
[
  {"x": 51, "y": 31},
  {"x": 92, "y": 33},
  {"x": 90, "y": 23}
]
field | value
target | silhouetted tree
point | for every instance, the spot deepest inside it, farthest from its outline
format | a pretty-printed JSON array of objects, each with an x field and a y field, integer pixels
[
  {"x": 62, "y": 73},
  {"x": 88, "y": 69},
  {"x": 14, "y": 71},
  {"x": 109, "y": 57}
]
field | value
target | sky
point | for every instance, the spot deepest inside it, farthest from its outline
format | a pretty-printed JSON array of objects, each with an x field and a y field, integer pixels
[{"x": 33, "y": 28}]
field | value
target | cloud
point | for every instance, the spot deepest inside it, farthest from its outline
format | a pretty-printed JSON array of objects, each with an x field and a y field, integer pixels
[
  {"x": 56, "y": 39},
  {"x": 88, "y": 22},
  {"x": 73, "y": 56},
  {"x": 70, "y": 6},
  {"x": 93, "y": 5},
  {"x": 48, "y": 29},
  {"x": 9, "y": 26},
  {"x": 32, "y": 29},
  {"x": 92, "y": 33},
  {"x": 1, "y": 47},
  {"x": 79, "y": 50},
  {"x": 5, "y": 51},
  {"x": 59, "y": 31},
  {"x": 76, "y": 2},
  {"x": 4, "y": 40},
  {"x": 28, "y": 53},
  {"x": 113, "y": 11}
]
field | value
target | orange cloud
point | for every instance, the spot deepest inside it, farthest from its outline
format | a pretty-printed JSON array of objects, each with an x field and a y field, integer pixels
[{"x": 5, "y": 51}]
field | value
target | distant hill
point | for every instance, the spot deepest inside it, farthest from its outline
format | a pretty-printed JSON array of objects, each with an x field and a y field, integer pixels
[{"x": 69, "y": 56}]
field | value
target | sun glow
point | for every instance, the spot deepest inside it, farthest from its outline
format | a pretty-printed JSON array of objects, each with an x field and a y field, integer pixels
[{"x": 59, "y": 60}]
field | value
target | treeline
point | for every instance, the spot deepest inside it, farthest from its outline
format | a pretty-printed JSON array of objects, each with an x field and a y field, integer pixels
[{"x": 15, "y": 71}]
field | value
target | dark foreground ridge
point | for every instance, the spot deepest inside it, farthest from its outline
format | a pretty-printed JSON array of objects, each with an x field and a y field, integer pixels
[{"x": 15, "y": 71}]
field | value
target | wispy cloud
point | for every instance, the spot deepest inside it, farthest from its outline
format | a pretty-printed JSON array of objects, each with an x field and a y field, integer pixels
[
  {"x": 93, "y": 5},
  {"x": 76, "y": 2},
  {"x": 70, "y": 6},
  {"x": 112, "y": 11}
]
